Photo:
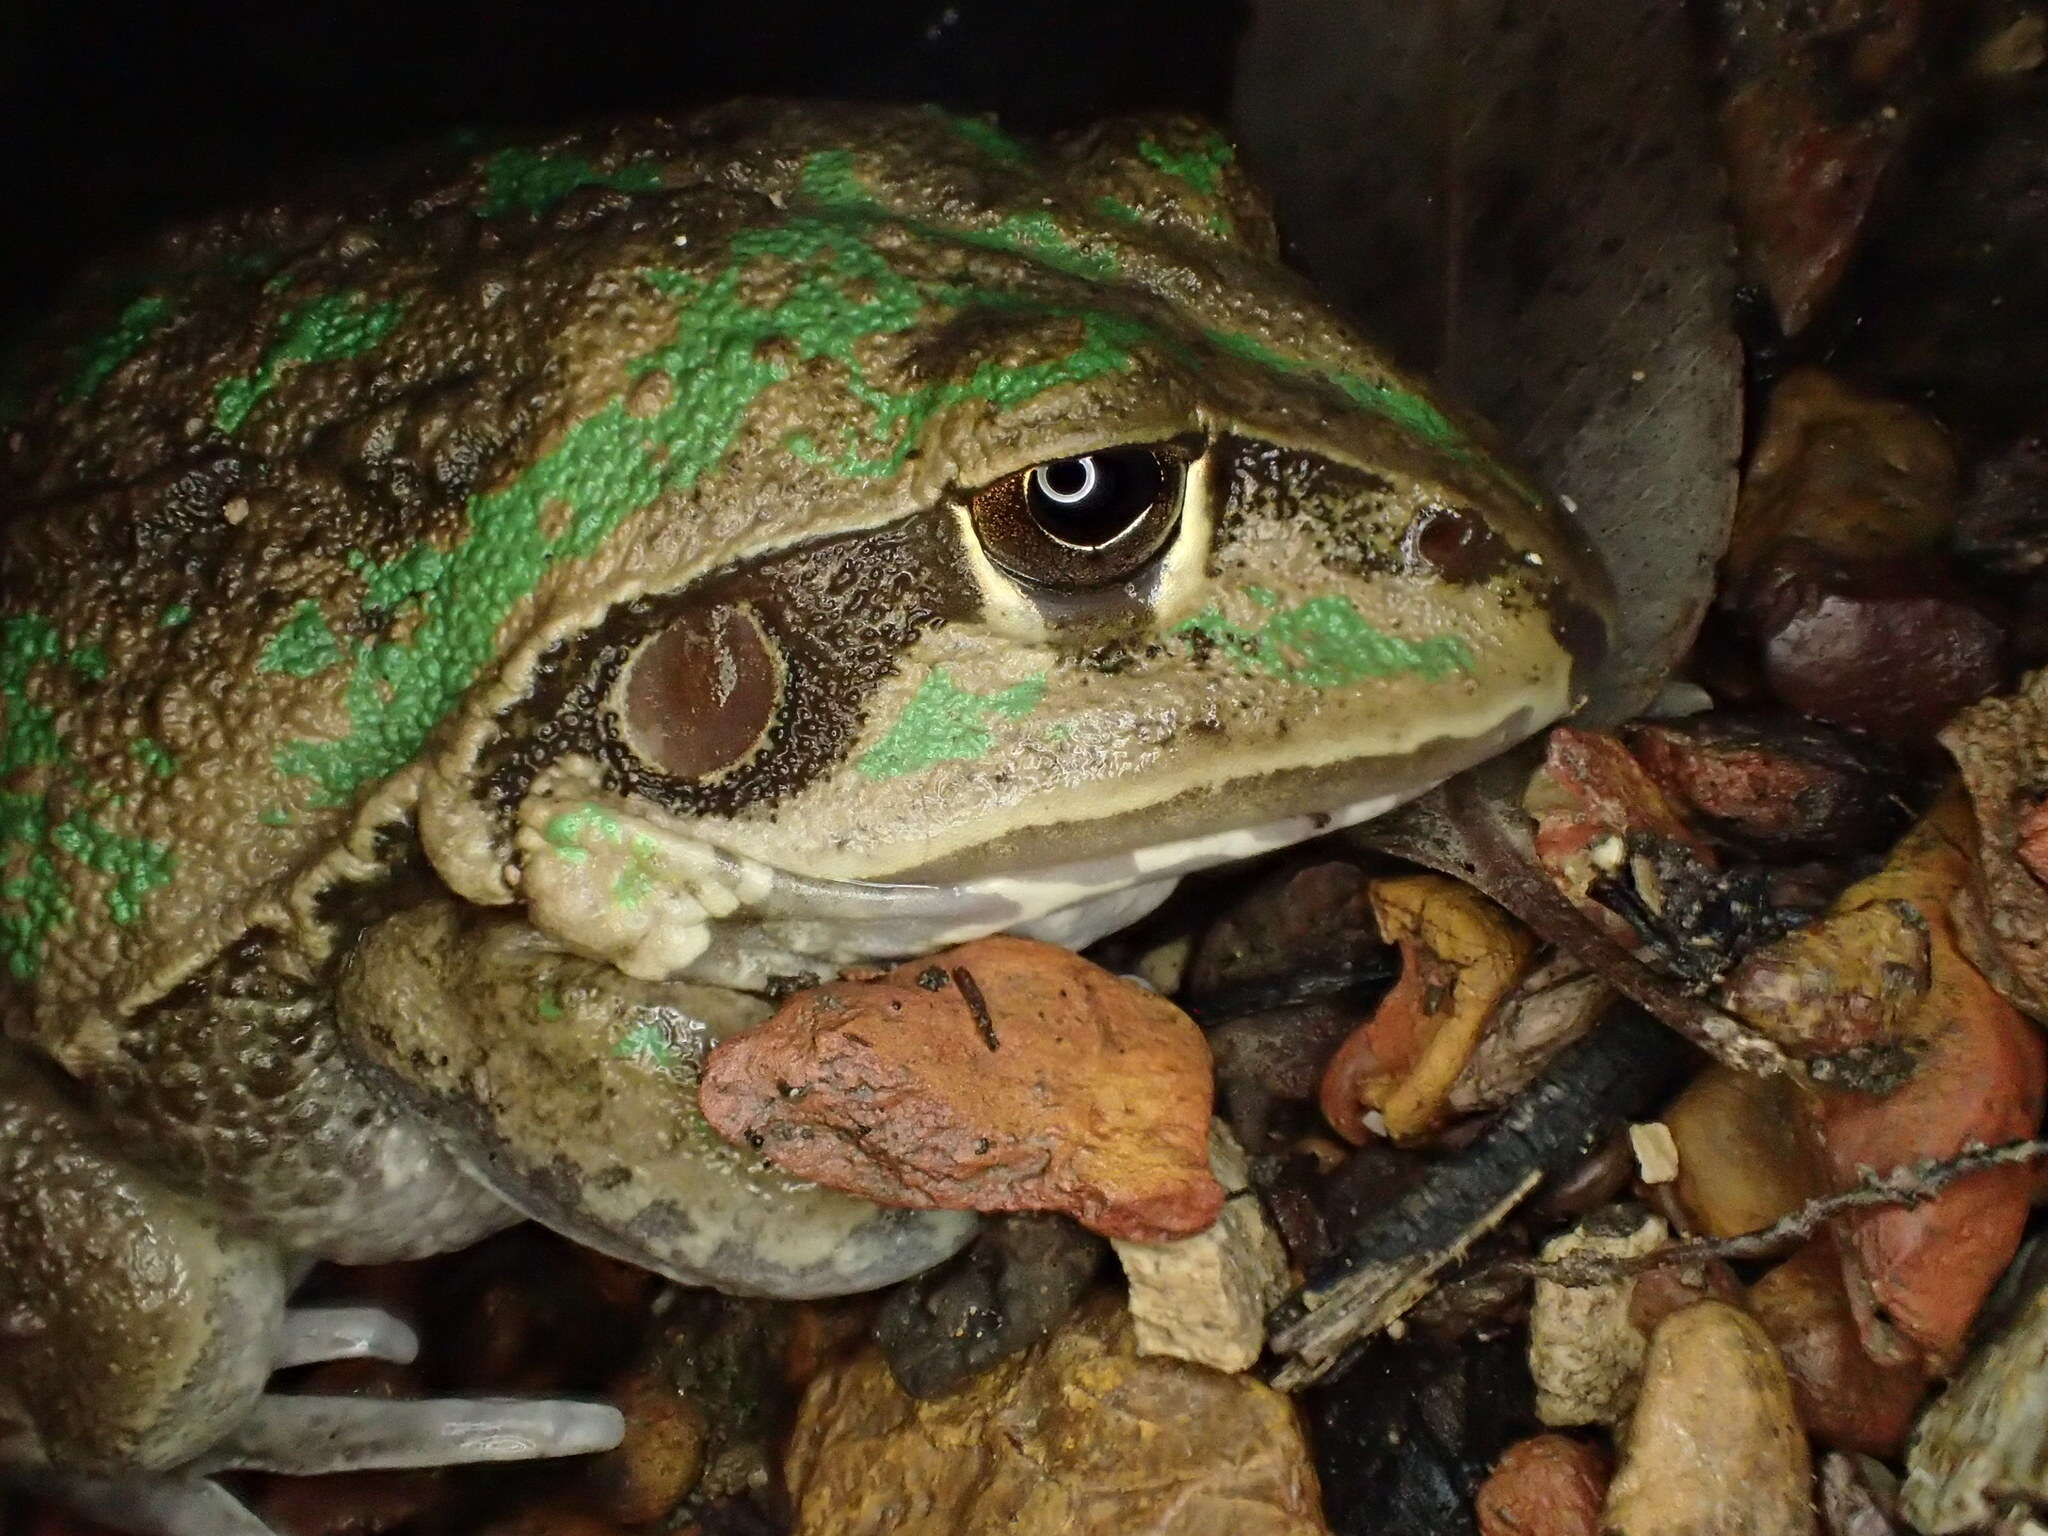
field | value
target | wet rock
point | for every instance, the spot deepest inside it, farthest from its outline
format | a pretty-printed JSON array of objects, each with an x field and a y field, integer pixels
[
  {"x": 1597, "y": 811},
  {"x": 1843, "y": 474},
  {"x": 1714, "y": 1447},
  {"x": 1977, "y": 1077},
  {"x": 1205, "y": 1298},
  {"x": 1858, "y": 1497},
  {"x": 529, "y": 1312},
  {"x": 1015, "y": 1283},
  {"x": 1850, "y": 983},
  {"x": 1584, "y": 1353},
  {"x": 1978, "y": 1451},
  {"x": 649, "y": 1473},
  {"x": 1276, "y": 1057},
  {"x": 1810, "y": 119},
  {"x": 1785, "y": 788},
  {"x": 1617, "y": 848},
  {"x": 1845, "y": 1399},
  {"x": 1075, "y": 1435},
  {"x": 1002, "y": 1075},
  {"x": 1669, "y": 1288},
  {"x": 724, "y": 1356},
  {"x": 1304, "y": 932},
  {"x": 1460, "y": 956},
  {"x": 2001, "y": 746},
  {"x": 2003, "y": 525},
  {"x": 1745, "y": 1156},
  {"x": 1605, "y": 1173},
  {"x": 350, "y": 1503},
  {"x": 1548, "y": 1485},
  {"x": 1890, "y": 647},
  {"x": 1407, "y": 1436}
]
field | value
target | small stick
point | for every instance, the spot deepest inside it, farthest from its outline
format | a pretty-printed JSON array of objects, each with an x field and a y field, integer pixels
[
  {"x": 1909, "y": 1184},
  {"x": 970, "y": 992}
]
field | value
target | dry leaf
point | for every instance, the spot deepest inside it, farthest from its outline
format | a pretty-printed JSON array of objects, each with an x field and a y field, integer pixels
[{"x": 1460, "y": 955}]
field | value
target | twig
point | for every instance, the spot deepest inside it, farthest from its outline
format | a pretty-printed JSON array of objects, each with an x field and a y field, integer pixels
[
  {"x": 1909, "y": 1184},
  {"x": 1625, "y": 1066}
]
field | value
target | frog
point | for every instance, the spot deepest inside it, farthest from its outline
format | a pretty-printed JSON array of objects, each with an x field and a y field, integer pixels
[{"x": 477, "y": 631}]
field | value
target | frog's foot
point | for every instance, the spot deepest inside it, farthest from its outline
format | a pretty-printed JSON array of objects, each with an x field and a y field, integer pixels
[
  {"x": 142, "y": 1331},
  {"x": 308, "y": 1435},
  {"x": 330, "y": 1434},
  {"x": 313, "y": 1334}
]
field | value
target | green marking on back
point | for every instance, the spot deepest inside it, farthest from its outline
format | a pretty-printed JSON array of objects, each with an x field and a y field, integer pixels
[
  {"x": 1200, "y": 167},
  {"x": 985, "y": 136},
  {"x": 331, "y": 328},
  {"x": 35, "y": 844},
  {"x": 305, "y": 647},
  {"x": 943, "y": 722},
  {"x": 534, "y": 183},
  {"x": 173, "y": 616},
  {"x": 1327, "y": 643},
  {"x": 101, "y": 356},
  {"x": 153, "y": 756},
  {"x": 549, "y": 1004}
]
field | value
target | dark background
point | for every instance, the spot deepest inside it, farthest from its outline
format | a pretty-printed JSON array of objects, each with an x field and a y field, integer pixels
[{"x": 119, "y": 119}]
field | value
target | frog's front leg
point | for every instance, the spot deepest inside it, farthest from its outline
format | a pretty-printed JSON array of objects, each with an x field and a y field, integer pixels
[
  {"x": 570, "y": 1088},
  {"x": 141, "y": 1329}
]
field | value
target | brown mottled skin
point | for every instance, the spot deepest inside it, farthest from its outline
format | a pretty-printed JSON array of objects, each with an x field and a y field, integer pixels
[{"x": 333, "y": 527}]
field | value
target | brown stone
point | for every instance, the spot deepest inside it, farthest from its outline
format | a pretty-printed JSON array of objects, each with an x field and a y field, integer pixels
[
  {"x": 1003, "y": 1075},
  {"x": 2002, "y": 747},
  {"x": 1977, "y": 1077},
  {"x": 1744, "y": 1154},
  {"x": 1547, "y": 1485},
  {"x": 1714, "y": 1447},
  {"x": 1893, "y": 647},
  {"x": 1584, "y": 1353},
  {"x": 1854, "y": 475},
  {"x": 1846, "y": 1399},
  {"x": 649, "y": 1472},
  {"x": 1077, "y": 1436},
  {"x": 1784, "y": 786}
]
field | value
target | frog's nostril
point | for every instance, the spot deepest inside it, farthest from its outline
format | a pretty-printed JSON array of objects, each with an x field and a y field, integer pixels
[{"x": 1457, "y": 544}]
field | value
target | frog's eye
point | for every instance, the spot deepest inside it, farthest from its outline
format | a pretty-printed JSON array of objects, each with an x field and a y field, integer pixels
[{"x": 1084, "y": 521}]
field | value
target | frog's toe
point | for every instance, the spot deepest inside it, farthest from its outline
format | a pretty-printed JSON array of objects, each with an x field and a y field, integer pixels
[
  {"x": 313, "y": 1334},
  {"x": 349, "y": 1434},
  {"x": 152, "y": 1503}
]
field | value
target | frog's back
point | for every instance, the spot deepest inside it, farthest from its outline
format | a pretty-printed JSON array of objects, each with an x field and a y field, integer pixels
[{"x": 285, "y": 492}]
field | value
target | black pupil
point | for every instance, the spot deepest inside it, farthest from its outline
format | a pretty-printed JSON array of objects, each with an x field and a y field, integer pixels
[{"x": 1093, "y": 499}]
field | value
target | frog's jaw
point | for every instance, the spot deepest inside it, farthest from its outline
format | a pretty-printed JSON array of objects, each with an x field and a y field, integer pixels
[{"x": 658, "y": 903}]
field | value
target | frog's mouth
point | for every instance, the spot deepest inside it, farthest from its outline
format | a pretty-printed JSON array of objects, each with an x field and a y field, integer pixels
[{"x": 1076, "y": 901}]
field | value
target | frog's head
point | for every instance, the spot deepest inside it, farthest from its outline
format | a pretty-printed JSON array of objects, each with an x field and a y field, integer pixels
[{"x": 1063, "y": 543}]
